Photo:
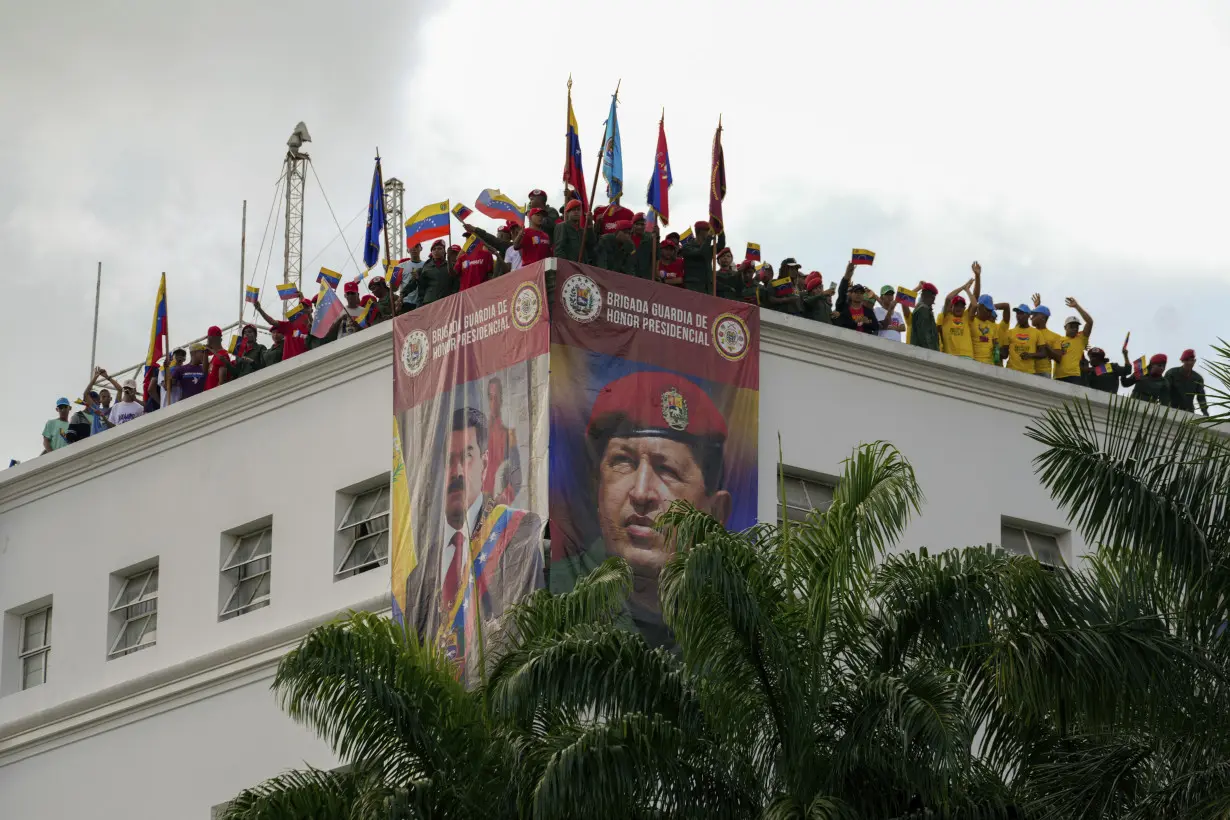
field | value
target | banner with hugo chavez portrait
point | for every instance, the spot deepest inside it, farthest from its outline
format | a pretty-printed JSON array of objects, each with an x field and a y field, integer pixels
[
  {"x": 469, "y": 488},
  {"x": 654, "y": 398}
]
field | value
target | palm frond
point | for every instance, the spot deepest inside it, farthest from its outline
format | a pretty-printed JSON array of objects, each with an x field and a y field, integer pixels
[{"x": 343, "y": 795}]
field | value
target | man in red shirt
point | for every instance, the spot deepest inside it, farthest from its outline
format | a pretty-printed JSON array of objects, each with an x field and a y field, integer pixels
[
  {"x": 670, "y": 266},
  {"x": 294, "y": 331},
  {"x": 550, "y": 216},
  {"x": 219, "y": 369},
  {"x": 475, "y": 265},
  {"x": 612, "y": 214},
  {"x": 533, "y": 243}
]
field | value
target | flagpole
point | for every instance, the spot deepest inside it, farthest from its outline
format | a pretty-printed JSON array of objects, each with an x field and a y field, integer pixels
[
  {"x": 388, "y": 245},
  {"x": 97, "y": 294},
  {"x": 653, "y": 250},
  {"x": 713, "y": 163},
  {"x": 243, "y": 249},
  {"x": 593, "y": 188}
]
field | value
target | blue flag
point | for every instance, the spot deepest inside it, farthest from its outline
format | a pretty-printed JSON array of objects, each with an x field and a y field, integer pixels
[
  {"x": 612, "y": 155},
  {"x": 375, "y": 218}
]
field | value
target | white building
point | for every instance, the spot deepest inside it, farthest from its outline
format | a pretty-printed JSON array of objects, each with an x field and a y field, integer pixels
[{"x": 207, "y": 536}]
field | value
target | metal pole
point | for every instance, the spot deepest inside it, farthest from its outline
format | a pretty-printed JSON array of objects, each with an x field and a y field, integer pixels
[
  {"x": 243, "y": 249},
  {"x": 94, "y": 342}
]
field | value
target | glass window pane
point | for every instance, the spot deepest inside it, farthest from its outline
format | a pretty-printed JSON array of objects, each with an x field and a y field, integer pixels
[
  {"x": 1013, "y": 540},
  {"x": 152, "y": 585},
  {"x": 1046, "y": 549},
  {"x": 35, "y": 632},
  {"x": 32, "y": 670},
  {"x": 796, "y": 494}
]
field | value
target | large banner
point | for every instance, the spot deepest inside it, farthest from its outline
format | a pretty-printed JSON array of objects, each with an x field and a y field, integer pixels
[
  {"x": 469, "y": 464},
  {"x": 654, "y": 398}
]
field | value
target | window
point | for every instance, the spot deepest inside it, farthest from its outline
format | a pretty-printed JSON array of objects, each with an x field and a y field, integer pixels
[
  {"x": 364, "y": 533},
  {"x": 806, "y": 494},
  {"x": 134, "y": 613},
  {"x": 1021, "y": 540},
  {"x": 246, "y": 572},
  {"x": 35, "y": 647}
]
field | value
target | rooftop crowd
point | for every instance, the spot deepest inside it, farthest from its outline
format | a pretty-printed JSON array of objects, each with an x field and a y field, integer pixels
[{"x": 967, "y": 322}]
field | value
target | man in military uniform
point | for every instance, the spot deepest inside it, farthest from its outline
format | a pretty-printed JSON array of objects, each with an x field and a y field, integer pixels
[
  {"x": 616, "y": 251},
  {"x": 436, "y": 277},
  {"x": 729, "y": 280},
  {"x": 1186, "y": 385},
  {"x": 697, "y": 257},
  {"x": 384, "y": 297},
  {"x": 484, "y": 548},
  {"x": 653, "y": 438},
  {"x": 566, "y": 243},
  {"x": 816, "y": 301},
  {"x": 1152, "y": 386}
]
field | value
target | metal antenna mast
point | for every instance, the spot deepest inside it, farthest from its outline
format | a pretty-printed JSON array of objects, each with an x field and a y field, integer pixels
[
  {"x": 296, "y": 176},
  {"x": 394, "y": 195}
]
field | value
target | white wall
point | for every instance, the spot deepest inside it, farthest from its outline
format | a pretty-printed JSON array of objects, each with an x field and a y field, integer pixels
[{"x": 172, "y": 730}]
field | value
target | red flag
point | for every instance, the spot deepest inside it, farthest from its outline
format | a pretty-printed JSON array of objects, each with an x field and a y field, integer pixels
[
  {"x": 660, "y": 183},
  {"x": 717, "y": 182}
]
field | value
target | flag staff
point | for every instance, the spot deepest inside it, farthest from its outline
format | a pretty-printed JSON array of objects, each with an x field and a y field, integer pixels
[
  {"x": 243, "y": 249},
  {"x": 712, "y": 181},
  {"x": 94, "y": 342},
  {"x": 388, "y": 244}
]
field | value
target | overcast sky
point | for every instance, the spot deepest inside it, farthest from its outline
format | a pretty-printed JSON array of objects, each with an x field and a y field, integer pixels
[{"x": 1073, "y": 148}]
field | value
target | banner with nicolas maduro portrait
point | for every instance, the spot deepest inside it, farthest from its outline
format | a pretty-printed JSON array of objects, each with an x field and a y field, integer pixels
[
  {"x": 469, "y": 481},
  {"x": 654, "y": 398}
]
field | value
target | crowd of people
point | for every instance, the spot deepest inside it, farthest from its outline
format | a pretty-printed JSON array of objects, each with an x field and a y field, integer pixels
[{"x": 970, "y": 323}]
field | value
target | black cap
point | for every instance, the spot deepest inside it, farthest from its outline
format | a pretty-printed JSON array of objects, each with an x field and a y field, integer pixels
[{"x": 789, "y": 260}]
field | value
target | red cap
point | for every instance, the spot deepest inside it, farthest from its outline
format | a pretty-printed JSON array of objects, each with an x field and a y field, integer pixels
[
  {"x": 439, "y": 243},
  {"x": 744, "y": 265},
  {"x": 623, "y": 225},
  {"x": 1187, "y": 354},
  {"x": 573, "y": 204},
  {"x": 638, "y": 217},
  {"x": 350, "y": 287},
  {"x": 701, "y": 226},
  {"x": 309, "y": 301},
  {"x": 927, "y": 287},
  {"x": 533, "y": 211},
  {"x": 958, "y": 300},
  {"x": 214, "y": 330},
  {"x": 454, "y": 247},
  {"x": 508, "y": 226},
  {"x": 537, "y": 192},
  {"x": 368, "y": 299},
  {"x": 668, "y": 243},
  {"x": 1157, "y": 358},
  {"x": 656, "y": 403},
  {"x": 813, "y": 280}
]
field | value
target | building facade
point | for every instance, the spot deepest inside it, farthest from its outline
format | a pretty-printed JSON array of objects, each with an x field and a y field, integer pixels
[{"x": 152, "y": 576}]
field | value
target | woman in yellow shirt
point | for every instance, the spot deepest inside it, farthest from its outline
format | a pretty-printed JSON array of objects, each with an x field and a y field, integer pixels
[
  {"x": 954, "y": 324},
  {"x": 1071, "y": 346}
]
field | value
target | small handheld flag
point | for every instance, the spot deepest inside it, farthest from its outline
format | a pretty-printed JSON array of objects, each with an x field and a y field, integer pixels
[
  {"x": 252, "y": 294},
  {"x": 469, "y": 243},
  {"x": 859, "y": 256},
  {"x": 461, "y": 212},
  {"x": 494, "y": 204},
  {"x": 365, "y": 315},
  {"x": 428, "y": 223},
  {"x": 783, "y": 286},
  {"x": 1140, "y": 366},
  {"x": 1126, "y": 339},
  {"x": 753, "y": 252},
  {"x": 397, "y": 273},
  {"x": 294, "y": 311},
  {"x": 329, "y": 277},
  {"x": 232, "y": 345},
  {"x": 1102, "y": 369},
  {"x": 328, "y": 310},
  {"x": 287, "y": 292},
  {"x": 686, "y": 236},
  {"x": 907, "y": 297}
]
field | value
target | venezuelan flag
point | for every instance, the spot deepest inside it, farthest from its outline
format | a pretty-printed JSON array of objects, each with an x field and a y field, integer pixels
[
  {"x": 428, "y": 223},
  {"x": 494, "y": 204},
  {"x": 1102, "y": 369},
  {"x": 686, "y": 236},
  {"x": 396, "y": 273},
  {"x": 461, "y": 212},
  {"x": 159, "y": 344},
  {"x": 907, "y": 297},
  {"x": 287, "y": 292},
  {"x": 232, "y": 345},
  {"x": 469, "y": 243},
  {"x": 294, "y": 311},
  {"x": 859, "y": 256},
  {"x": 574, "y": 169},
  {"x": 252, "y": 294},
  {"x": 1140, "y": 367},
  {"x": 365, "y": 315},
  {"x": 329, "y": 277},
  {"x": 783, "y": 286},
  {"x": 753, "y": 252}
]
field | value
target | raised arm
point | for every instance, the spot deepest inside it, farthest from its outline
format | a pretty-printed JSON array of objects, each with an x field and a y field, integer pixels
[
  {"x": 1005, "y": 311},
  {"x": 263, "y": 314},
  {"x": 843, "y": 288},
  {"x": 906, "y": 309},
  {"x": 1072, "y": 303},
  {"x": 977, "y": 269},
  {"x": 952, "y": 294}
]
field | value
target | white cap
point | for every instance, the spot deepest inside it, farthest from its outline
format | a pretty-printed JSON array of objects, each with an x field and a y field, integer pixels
[
  {"x": 1071, "y": 319},
  {"x": 130, "y": 384}
]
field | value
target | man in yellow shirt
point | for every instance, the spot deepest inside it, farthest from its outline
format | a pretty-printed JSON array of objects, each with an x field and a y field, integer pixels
[
  {"x": 1048, "y": 340},
  {"x": 1019, "y": 345},
  {"x": 1072, "y": 345},
  {"x": 985, "y": 333},
  {"x": 954, "y": 324}
]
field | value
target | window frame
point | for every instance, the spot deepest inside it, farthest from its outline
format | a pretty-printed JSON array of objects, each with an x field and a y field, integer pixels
[
  {"x": 804, "y": 478},
  {"x": 1026, "y": 530},
  {"x": 119, "y": 612},
  {"x": 351, "y": 535},
  {"x": 234, "y": 574},
  {"x": 43, "y": 650}
]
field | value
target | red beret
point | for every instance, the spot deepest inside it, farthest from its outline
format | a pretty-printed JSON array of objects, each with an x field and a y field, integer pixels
[
  {"x": 368, "y": 299},
  {"x": 927, "y": 287},
  {"x": 538, "y": 192},
  {"x": 439, "y": 243},
  {"x": 623, "y": 225},
  {"x": 725, "y": 252},
  {"x": 813, "y": 280},
  {"x": 638, "y": 217},
  {"x": 701, "y": 226},
  {"x": 374, "y": 280},
  {"x": 1157, "y": 358},
  {"x": 572, "y": 205},
  {"x": 533, "y": 211},
  {"x": 508, "y": 226},
  {"x": 656, "y": 403},
  {"x": 214, "y": 330},
  {"x": 350, "y": 287},
  {"x": 1187, "y": 354}
]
